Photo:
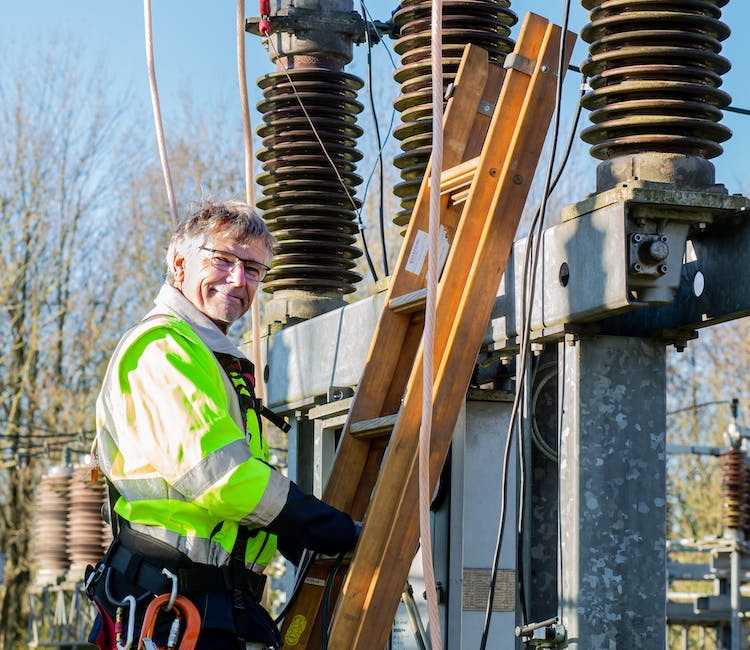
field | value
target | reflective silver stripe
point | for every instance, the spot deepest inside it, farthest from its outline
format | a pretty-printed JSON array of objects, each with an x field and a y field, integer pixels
[
  {"x": 198, "y": 549},
  {"x": 271, "y": 502},
  {"x": 147, "y": 489},
  {"x": 212, "y": 468}
]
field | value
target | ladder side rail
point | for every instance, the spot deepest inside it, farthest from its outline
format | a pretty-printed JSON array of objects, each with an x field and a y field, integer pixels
[
  {"x": 377, "y": 372},
  {"x": 386, "y": 553},
  {"x": 388, "y": 351},
  {"x": 393, "y": 347}
]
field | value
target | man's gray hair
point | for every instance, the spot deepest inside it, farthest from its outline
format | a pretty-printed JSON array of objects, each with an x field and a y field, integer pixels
[{"x": 233, "y": 219}]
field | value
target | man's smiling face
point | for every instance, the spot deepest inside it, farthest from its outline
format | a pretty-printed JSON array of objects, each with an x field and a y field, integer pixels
[{"x": 222, "y": 295}]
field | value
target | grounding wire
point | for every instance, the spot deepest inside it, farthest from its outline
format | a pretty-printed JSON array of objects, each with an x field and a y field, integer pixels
[
  {"x": 379, "y": 163},
  {"x": 527, "y": 303},
  {"x": 285, "y": 70}
]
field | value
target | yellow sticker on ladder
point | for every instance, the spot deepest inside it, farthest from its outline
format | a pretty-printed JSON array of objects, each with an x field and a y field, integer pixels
[{"x": 295, "y": 630}]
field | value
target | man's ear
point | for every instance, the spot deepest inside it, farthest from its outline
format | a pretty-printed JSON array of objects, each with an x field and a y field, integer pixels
[{"x": 178, "y": 268}]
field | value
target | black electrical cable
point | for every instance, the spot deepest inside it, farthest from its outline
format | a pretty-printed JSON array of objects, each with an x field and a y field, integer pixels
[
  {"x": 37, "y": 427},
  {"x": 527, "y": 302},
  {"x": 371, "y": 97},
  {"x": 299, "y": 581},
  {"x": 695, "y": 407},
  {"x": 327, "y": 598}
]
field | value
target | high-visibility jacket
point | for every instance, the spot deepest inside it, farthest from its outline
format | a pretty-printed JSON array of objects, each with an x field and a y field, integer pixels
[{"x": 189, "y": 466}]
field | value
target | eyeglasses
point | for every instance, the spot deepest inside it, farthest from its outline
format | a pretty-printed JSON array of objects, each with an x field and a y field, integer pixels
[{"x": 226, "y": 263}]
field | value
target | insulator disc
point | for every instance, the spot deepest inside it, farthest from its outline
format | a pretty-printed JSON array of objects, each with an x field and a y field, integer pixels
[
  {"x": 651, "y": 64},
  {"x": 86, "y": 538},
  {"x": 51, "y": 525},
  {"x": 734, "y": 480},
  {"x": 309, "y": 184},
  {"x": 485, "y": 23}
]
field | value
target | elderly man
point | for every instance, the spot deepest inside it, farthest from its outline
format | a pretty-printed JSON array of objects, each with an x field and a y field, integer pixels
[{"x": 180, "y": 439}]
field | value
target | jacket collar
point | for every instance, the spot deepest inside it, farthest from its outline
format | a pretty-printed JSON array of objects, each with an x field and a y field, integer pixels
[{"x": 171, "y": 301}]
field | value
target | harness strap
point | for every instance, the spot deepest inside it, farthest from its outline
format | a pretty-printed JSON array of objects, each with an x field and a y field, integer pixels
[{"x": 142, "y": 571}]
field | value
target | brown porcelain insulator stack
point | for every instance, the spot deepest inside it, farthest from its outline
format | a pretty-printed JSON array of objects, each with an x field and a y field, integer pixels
[
  {"x": 86, "y": 538},
  {"x": 655, "y": 71},
  {"x": 485, "y": 23},
  {"x": 51, "y": 525},
  {"x": 733, "y": 485},
  {"x": 305, "y": 204}
]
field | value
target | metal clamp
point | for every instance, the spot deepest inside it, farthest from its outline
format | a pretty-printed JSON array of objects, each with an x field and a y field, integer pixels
[{"x": 545, "y": 634}]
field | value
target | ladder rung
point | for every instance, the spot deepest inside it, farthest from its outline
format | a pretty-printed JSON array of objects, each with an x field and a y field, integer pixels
[
  {"x": 459, "y": 176},
  {"x": 409, "y": 302},
  {"x": 374, "y": 428}
]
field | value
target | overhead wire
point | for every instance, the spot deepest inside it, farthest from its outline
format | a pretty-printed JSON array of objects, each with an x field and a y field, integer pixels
[
  {"x": 379, "y": 162},
  {"x": 160, "y": 139},
  {"x": 428, "y": 336},
  {"x": 529, "y": 272},
  {"x": 260, "y": 390}
]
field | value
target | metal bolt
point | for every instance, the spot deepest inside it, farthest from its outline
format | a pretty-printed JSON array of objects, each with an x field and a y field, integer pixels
[
  {"x": 637, "y": 267},
  {"x": 544, "y": 68},
  {"x": 493, "y": 171},
  {"x": 658, "y": 251},
  {"x": 518, "y": 179},
  {"x": 662, "y": 268},
  {"x": 637, "y": 237}
]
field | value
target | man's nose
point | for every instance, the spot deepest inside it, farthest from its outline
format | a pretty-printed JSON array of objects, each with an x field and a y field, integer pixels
[{"x": 237, "y": 274}]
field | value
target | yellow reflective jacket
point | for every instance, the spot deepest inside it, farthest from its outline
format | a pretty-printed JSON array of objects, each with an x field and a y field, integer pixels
[{"x": 189, "y": 466}]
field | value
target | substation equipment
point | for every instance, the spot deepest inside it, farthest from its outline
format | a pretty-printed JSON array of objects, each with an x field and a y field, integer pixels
[{"x": 656, "y": 253}]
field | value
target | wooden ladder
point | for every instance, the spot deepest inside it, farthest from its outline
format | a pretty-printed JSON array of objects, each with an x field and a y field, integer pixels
[{"x": 494, "y": 129}]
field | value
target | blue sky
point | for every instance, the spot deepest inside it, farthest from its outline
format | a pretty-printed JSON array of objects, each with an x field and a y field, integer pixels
[{"x": 195, "y": 48}]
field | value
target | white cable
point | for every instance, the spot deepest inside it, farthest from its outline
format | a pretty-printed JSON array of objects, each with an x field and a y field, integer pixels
[
  {"x": 428, "y": 338},
  {"x": 160, "y": 141},
  {"x": 249, "y": 187}
]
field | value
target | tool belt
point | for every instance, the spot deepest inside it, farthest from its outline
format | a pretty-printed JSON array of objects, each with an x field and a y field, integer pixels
[{"x": 141, "y": 561}]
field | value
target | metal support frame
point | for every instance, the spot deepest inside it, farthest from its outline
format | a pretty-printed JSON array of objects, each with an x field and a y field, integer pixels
[
  {"x": 585, "y": 278},
  {"x": 613, "y": 492}
]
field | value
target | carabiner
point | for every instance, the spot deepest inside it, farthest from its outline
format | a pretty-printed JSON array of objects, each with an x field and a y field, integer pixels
[
  {"x": 130, "y": 601},
  {"x": 172, "y": 595},
  {"x": 184, "y": 609}
]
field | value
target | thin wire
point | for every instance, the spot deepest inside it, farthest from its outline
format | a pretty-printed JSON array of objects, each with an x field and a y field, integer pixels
[
  {"x": 249, "y": 188},
  {"x": 160, "y": 140},
  {"x": 695, "y": 407},
  {"x": 37, "y": 427},
  {"x": 382, "y": 40},
  {"x": 325, "y": 153},
  {"x": 428, "y": 337},
  {"x": 381, "y": 207},
  {"x": 527, "y": 303}
]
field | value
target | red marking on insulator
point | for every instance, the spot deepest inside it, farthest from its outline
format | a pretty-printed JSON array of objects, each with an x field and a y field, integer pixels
[{"x": 264, "y": 27}]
